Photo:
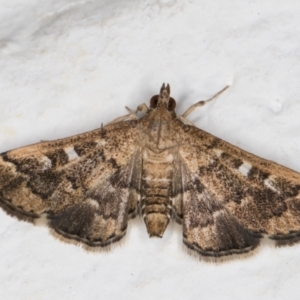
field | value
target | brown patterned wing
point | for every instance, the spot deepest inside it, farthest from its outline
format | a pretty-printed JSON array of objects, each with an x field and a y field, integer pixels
[
  {"x": 232, "y": 197},
  {"x": 82, "y": 184},
  {"x": 208, "y": 227}
]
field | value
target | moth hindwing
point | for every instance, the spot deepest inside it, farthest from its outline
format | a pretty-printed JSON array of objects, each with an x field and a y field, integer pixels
[{"x": 88, "y": 186}]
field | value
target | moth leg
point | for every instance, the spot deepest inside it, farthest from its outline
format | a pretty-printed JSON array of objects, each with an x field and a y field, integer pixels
[
  {"x": 198, "y": 104},
  {"x": 132, "y": 114},
  {"x": 142, "y": 107}
]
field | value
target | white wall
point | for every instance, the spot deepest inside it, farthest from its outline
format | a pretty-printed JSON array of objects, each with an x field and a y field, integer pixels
[{"x": 68, "y": 66}]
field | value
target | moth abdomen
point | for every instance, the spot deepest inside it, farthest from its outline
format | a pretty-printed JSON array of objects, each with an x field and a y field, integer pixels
[
  {"x": 156, "y": 204},
  {"x": 156, "y": 211}
]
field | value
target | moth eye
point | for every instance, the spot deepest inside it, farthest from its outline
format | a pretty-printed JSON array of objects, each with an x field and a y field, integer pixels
[
  {"x": 171, "y": 104},
  {"x": 154, "y": 101}
]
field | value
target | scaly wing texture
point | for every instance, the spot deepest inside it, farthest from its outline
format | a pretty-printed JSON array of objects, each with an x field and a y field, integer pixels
[
  {"x": 232, "y": 197},
  {"x": 82, "y": 184}
]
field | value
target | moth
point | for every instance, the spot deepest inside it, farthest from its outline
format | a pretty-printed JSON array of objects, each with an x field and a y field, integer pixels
[{"x": 161, "y": 166}]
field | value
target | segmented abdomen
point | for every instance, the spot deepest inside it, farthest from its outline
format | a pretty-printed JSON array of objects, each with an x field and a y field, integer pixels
[{"x": 156, "y": 192}]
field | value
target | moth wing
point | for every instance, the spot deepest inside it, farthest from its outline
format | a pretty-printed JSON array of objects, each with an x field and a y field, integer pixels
[
  {"x": 82, "y": 184},
  {"x": 208, "y": 226},
  {"x": 239, "y": 192}
]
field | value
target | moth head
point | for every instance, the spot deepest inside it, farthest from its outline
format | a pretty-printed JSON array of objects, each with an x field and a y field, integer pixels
[{"x": 163, "y": 100}]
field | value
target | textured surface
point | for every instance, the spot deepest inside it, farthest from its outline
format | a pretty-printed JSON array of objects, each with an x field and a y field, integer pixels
[{"x": 68, "y": 66}]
